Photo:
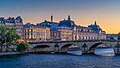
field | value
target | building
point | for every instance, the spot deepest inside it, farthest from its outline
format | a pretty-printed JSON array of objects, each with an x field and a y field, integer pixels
[
  {"x": 19, "y": 26},
  {"x": 65, "y": 30},
  {"x": 67, "y": 23},
  {"x": 2, "y": 21},
  {"x": 84, "y": 33},
  {"x": 61, "y": 33},
  {"x": 96, "y": 28},
  {"x": 49, "y": 24},
  {"x": 36, "y": 33},
  {"x": 112, "y": 36},
  {"x": 13, "y": 22},
  {"x": 92, "y": 32}
]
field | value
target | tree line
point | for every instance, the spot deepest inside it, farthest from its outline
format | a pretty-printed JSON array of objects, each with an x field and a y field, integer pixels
[{"x": 8, "y": 37}]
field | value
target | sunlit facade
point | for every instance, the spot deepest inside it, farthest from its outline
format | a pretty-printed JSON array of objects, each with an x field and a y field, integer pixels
[
  {"x": 64, "y": 30},
  {"x": 62, "y": 33},
  {"x": 84, "y": 33},
  {"x": 35, "y": 33},
  {"x": 67, "y": 30}
]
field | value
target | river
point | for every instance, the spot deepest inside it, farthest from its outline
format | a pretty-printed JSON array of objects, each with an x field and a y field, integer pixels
[{"x": 59, "y": 61}]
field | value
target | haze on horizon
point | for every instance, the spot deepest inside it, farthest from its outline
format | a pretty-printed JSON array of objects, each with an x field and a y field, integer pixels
[{"x": 83, "y": 12}]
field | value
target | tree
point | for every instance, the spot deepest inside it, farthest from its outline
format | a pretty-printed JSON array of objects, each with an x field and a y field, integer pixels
[
  {"x": 22, "y": 47},
  {"x": 8, "y": 36}
]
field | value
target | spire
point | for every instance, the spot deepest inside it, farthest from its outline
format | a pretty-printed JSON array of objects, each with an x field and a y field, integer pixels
[
  {"x": 51, "y": 18},
  {"x": 95, "y": 23},
  {"x": 68, "y": 17}
]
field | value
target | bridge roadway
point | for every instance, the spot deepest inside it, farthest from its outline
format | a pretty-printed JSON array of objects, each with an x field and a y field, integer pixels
[{"x": 62, "y": 46}]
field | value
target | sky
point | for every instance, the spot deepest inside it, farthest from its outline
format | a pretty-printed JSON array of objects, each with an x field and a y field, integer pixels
[{"x": 83, "y": 12}]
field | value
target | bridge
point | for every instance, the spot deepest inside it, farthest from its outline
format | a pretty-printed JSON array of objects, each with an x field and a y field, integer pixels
[{"x": 62, "y": 46}]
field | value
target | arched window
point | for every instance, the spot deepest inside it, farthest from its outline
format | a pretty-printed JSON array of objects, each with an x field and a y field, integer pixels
[
  {"x": 86, "y": 38},
  {"x": 89, "y": 38},
  {"x": 79, "y": 38},
  {"x": 82, "y": 37}
]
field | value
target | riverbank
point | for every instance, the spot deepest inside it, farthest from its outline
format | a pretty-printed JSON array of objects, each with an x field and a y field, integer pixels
[{"x": 10, "y": 53}]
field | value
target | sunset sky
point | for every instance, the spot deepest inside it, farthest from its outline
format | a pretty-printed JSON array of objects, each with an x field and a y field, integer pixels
[{"x": 83, "y": 12}]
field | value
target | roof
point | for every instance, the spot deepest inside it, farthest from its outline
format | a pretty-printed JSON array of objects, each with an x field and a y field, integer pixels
[
  {"x": 66, "y": 23},
  {"x": 48, "y": 24},
  {"x": 95, "y": 27}
]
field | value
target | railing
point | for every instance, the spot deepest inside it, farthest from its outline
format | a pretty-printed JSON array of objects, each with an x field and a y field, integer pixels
[{"x": 75, "y": 41}]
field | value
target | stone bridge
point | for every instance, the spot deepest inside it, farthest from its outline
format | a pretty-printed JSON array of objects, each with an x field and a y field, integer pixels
[{"x": 62, "y": 46}]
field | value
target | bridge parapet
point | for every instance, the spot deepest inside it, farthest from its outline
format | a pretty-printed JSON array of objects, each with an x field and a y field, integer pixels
[{"x": 80, "y": 43}]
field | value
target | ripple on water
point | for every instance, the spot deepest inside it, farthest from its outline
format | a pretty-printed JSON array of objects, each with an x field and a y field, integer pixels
[{"x": 59, "y": 61}]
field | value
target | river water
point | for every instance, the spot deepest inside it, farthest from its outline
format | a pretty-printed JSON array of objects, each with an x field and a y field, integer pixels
[{"x": 59, "y": 61}]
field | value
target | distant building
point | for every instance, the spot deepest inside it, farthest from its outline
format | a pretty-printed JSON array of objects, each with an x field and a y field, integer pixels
[
  {"x": 65, "y": 30},
  {"x": 48, "y": 24},
  {"x": 19, "y": 26},
  {"x": 84, "y": 33},
  {"x": 2, "y": 21},
  {"x": 61, "y": 33},
  {"x": 112, "y": 36},
  {"x": 67, "y": 23},
  {"x": 98, "y": 30},
  {"x": 13, "y": 22},
  {"x": 36, "y": 33}
]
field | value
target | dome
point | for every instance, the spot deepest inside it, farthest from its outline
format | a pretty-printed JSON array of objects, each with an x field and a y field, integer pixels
[
  {"x": 67, "y": 23},
  {"x": 95, "y": 27},
  {"x": 48, "y": 24}
]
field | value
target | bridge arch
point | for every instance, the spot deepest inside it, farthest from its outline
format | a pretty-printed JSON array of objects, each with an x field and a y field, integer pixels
[
  {"x": 94, "y": 46},
  {"x": 65, "y": 47},
  {"x": 41, "y": 48}
]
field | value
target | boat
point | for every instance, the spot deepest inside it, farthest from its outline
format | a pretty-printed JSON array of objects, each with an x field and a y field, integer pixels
[
  {"x": 104, "y": 51},
  {"x": 74, "y": 50}
]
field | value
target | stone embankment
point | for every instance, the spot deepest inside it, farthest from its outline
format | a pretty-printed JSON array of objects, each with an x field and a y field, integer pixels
[{"x": 10, "y": 53}]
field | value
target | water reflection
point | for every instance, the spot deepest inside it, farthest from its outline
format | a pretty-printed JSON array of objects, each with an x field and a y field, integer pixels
[{"x": 59, "y": 61}]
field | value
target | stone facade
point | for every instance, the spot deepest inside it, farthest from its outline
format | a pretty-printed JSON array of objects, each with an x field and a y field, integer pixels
[
  {"x": 65, "y": 30},
  {"x": 84, "y": 33},
  {"x": 36, "y": 33},
  {"x": 61, "y": 33},
  {"x": 13, "y": 22}
]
